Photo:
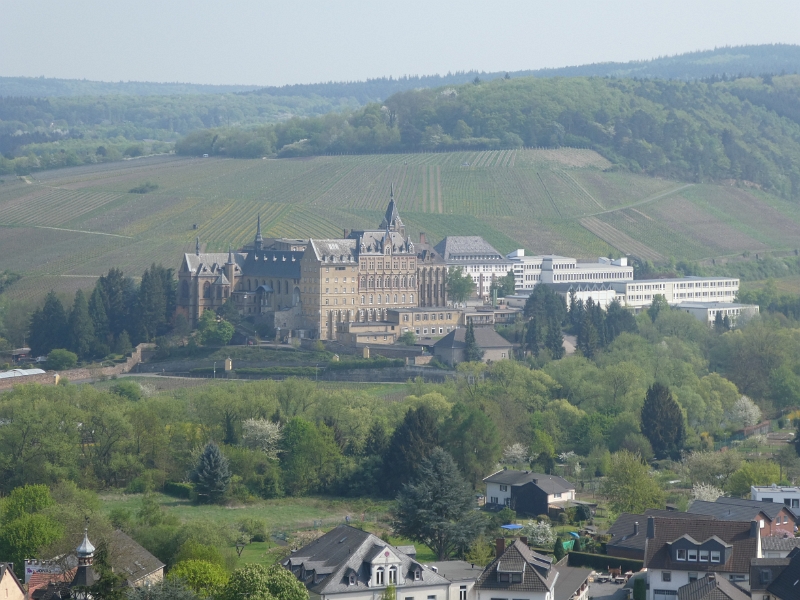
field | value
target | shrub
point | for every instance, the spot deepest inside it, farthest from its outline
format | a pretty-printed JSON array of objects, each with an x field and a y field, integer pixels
[
  {"x": 127, "y": 389},
  {"x": 60, "y": 359},
  {"x": 145, "y": 188},
  {"x": 178, "y": 489}
]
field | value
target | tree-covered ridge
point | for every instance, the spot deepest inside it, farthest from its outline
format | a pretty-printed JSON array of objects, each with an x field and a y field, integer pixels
[
  {"x": 51, "y": 87},
  {"x": 746, "y": 130}
]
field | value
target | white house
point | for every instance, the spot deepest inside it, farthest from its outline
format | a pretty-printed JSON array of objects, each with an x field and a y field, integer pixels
[
  {"x": 477, "y": 258},
  {"x": 681, "y": 551},
  {"x": 707, "y": 311},
  {"x": 786, "y": 495},
  {"x": 527, "y": 492},
  {"x": 640, "y": 292}
]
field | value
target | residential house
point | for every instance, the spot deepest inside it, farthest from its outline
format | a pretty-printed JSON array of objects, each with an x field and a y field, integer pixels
[
  {"x": 786, "y": 586},
  {"x": 350, "y": 564},
  {"x": 461, "y": 575},
  {"x": 450, "y": 349},
  {"x": 129, "y": 559},
  {"x": 680, "y": 551},
  {"x": 712, "y": 587},
  {"x": 477, "y": 258},
  {"x": 764, "y": 571},
  {"x": 518, "y": 573},
  {"x": 773, "y": 519},
  {"x": 779, "y": 546},
  {"x": 786, "y": 495},
  {"x": 628, "y": 533},
  {"x": 10, "y": 586},
  {"x": 527, "y": 492}
]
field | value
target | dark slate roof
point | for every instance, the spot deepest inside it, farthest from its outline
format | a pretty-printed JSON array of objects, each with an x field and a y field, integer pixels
[
  {"x": 457, "y": 570},
  {"x": 621, "y": 531},
  {"x": 774, "y": 565},
  {"x": 668, "y": 530},
  {"x": 771, "y": 509},
  {"x": 273, "y": 263},
  {"x": 787, "y": 585},
  {"x": 85, "y": 576},
  {"x": 375, "y": 242},
  {"x": 570, "y": 580},
  {"x": 779, "y": 543},
  {"x": 454, "y": 247},
  {"x": 341, "y": 251},
  {"x": 392, "y": 216},
  {"x": 712, "y": 588},
  {"x": 52, "y": 591},
  {"x": 211, "y": 263},
  {"x": 552, "y": 484},
  {"x": 537, "y": 569},
  {"x": 731, "y": 512},
  {"x": 328, "y": 560},
  {"x": 485, "y": 337},
  {"x": 129, "y": 559}
]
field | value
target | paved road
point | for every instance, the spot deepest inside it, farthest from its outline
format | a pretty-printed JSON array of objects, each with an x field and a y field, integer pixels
[{"x": 606, "y": 591}]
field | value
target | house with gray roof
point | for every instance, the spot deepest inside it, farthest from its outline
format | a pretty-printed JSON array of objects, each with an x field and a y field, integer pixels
[
  {"x": 773, "y": 518},
  {"x": 477, "y": 258},
  {"x": 628, "y": 533},
  {"x": 351, "y": 564},
  {"x": 779, "y": 546},
  {"x": 450, "y": 349},
  {"x": 712, "y": 587},
  {"x": 527, "y": 492},
  {"x": 786, "y": 585}
]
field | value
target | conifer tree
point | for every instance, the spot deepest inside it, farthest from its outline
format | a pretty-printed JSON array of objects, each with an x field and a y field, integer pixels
[
  {"x": 662, "y": 422},
  {"x": 411, "y": 442},
  {"x": 558, "y": 549},
  {"x": 211, "y": 475},
  {"x": 588, "y": 341},
  {"x": 48, "y": 328},
  {"x": 533, "y": 337},
  {"x": 555, "y": 338},
  {"x": 97, "y": 310},
  {"x": 472, "y": 353},
  {"x": 80, "y": 327},
  {"x": 151, "y": 305}
]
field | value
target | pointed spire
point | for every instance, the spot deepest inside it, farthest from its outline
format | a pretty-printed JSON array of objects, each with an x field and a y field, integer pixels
[
  {"x": 391, "y": 192},
  {"x": 86, "y": 549},
  {"x": 259, "y": 238},
  {"x": 197, "y": 246},
  {"x": 230, "y": 255}
]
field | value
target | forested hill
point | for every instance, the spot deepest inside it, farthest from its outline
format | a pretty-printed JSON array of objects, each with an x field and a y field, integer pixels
[
  {"x": 727, "y": 62},
  {"x": 747, "y": 129},
  {"x": 46, "y": 87}
]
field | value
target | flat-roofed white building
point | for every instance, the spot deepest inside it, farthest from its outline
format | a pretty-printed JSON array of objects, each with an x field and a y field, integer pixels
[
  {"x": 551, "y": 268},
  {"x": 786, "y": 495},
  {"x": 477, "y": 258},
  {"x": 640, "y": 293},
  {"x": 707, "y": 311}
]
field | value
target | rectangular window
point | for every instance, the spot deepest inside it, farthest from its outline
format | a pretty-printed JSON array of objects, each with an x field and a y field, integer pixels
[
  {"x": 462, "y": 593},
  {"x": 715, "y": 556},
  {"x": 680, "y": 554},
  {"x": 516, "y": 578},
  {"x": 666, "y": 575},
  {"x": 703, "y": 555},
  {"x": 692, "y": 555},
  {"x": 503, "y": 577},
  {"x": 692, "y": 577},
  {"x": 503, "y": 488}
]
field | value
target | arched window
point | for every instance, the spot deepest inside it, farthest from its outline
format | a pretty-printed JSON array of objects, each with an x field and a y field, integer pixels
[
  {"x": 296, "y": 296},
  {"x": 380, "y": 282},
  {"x": 395, "y": 298},
  {"x": 363, "y": 282},
  {"x": 392, "y": 575},
  {"x": 404, "y": 298},
  {"x": 371, "y": 282},
  {"x": 362, "y": 299},
  {"x": 387, "y": 298},
  {"x": 206, "y": 290},
  {"x": 249, "y": 289},
  {"x": 411, "y": 298},
  {"x": 286, "y": 287},
  {"x": 396, "y": 281},
  {"x": 370, "y": 298},
  {"x": 184, "y": 289},
  {"x": 388, "y": 281}
]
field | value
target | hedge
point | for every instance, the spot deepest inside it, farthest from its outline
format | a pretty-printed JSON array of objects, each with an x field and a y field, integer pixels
[
  {"x": 178, "y": 489},
  {"x": 371, "y": 363},
  {"x": 601, "y": 562},
  {"x": 278, "y": 371}
]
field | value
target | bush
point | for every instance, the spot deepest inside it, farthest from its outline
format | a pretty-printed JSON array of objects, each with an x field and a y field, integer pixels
[
  {"x": 145, "y": 188},
  {"x": 127, "y": 389},
  {"x": 179, "y": 489},
  {"x": 379, "y": 362},
  {"x": 60, "y": 359}
]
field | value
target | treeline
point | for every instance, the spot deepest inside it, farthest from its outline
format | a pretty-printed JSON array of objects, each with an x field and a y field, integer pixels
[
  {"x": 116, "y": 315},
  {"x": 695, "y": 131}
]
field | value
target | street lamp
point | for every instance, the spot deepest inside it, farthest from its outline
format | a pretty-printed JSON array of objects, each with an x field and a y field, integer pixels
[{"x": 215, "y": 370}]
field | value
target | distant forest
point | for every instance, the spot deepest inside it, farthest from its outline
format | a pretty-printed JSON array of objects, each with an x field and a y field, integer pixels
[{"x": 747, "y": 129}]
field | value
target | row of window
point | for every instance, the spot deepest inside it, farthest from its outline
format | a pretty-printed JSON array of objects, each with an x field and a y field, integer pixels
[
  {"x": 694, "y": 555},
  {"x": 730, "y": 283},
  {"x": 426, "y": 316},
  {"x": 370, "y": 265}
]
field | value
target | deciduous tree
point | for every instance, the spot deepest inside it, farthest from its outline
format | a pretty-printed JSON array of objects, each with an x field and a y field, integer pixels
[{"x": 628, "y": 485}]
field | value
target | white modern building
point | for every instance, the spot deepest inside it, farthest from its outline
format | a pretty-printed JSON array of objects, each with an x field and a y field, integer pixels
[
  {"x": 708, "y": 311},
  {"x": 551, "y": 268},
  {"x": 477, "y": 258},
  {"x": 640, "y": 293},
  {"x": 786, "y": 495}
]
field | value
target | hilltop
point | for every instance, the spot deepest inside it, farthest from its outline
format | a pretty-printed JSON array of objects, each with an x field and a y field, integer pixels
[{"x": 63, "y": 228}]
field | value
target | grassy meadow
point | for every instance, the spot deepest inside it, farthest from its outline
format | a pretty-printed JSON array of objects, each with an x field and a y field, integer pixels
[{"x": 64, "y": 228}]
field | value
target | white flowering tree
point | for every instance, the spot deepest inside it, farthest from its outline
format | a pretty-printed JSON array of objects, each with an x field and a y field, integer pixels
[
  {"x": 745, "y": 412},
  {"x": 706, "y": 492},
  {"x": 539, "y": 534},
  {"x": 515, "y": 454},
  {"x": 263, "y": 435}
]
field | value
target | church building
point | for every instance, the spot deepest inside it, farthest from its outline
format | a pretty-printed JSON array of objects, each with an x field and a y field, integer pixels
[{"x": 318, "y": 287}]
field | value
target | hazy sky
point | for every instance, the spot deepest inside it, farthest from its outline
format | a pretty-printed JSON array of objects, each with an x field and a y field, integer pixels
[{"x": 273, "y": 43}]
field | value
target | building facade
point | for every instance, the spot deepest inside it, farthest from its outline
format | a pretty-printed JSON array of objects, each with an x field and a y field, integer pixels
[
  {"x": 531, "y": 270},
  {"x": 477, "y": 258}
]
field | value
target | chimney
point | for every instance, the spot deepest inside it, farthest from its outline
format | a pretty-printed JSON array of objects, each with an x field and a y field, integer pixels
[
  {"x": 636, "y": 528},
  {"x": 346, "y": 233},
  {"x": 754, "y": 529},
  {"x": 651, "y": 528},
  {"x": 523, "y": 539},
  {"x": 422, "y": 239},
  {"x": 499, "y": 546}
]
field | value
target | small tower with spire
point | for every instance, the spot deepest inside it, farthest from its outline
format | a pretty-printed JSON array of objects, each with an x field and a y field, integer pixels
[
  {"x": 230, "y": 268},
  {"x": 391, "y": 220},
  {"x": 85, "y": 576},
  {"x": 259, "y": 243},
  {"x": 197, "y": 246}
]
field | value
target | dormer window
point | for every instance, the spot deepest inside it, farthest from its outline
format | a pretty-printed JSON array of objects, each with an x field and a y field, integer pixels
[
  {"x": 516, "y": 578},
  {"x": 692, "y": 555},
  {"x": 379, "y": 576},
  {"x": 681, "y": 555},
  {"x": 417, "y": 574},
  {"x": 715, "y": 556},
  {"x": 703, "y": 555},
  {"x": 392, "y": 575},
  {"x": 503, "y": 577},
  {"x": 351, "y": 580}
]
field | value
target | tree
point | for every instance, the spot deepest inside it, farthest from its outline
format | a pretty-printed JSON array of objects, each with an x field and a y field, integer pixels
[
  {"x": 481, "y": 552},
  {"x": 309, "y": 456},
  {"x": 745, "y": 413},
  {"x": 752, "y": 473},
  {"x": 412, "y": 441},
  {"x": 472, "y": 352},
  {"x": 706, "y": 492},
  {"x": 168, "y": 589},
  {"x": 505, "y": 285},
  {"x": 662, "y": 421},
  {"x": 460, "y": 286},
  {"x": 211, "y": 474},
  {"x": 48, "y": 328},
  {"x": 629, "y": 487},
  {"x": 80, "y": 327},
  {"x": 27, "y": 499},
  {"x": 558, "y": 549},
  {"x": 97, "y": 311},
  {"x": 204, "y": 578},
  {"x": 658, "y": 304},
  {"x": 533, "y": 337},
  {"x": 554, "y": 341},
  {"x": 213, "y": 332},
  {"x": 436, "y": 508},
  {"x": 539, "y": 533},
  {"x": 25, "y": 536},
  {"x": 588, "y": 339},
  {"x": 471, "y": 438},
  {"x": 60, "y": 359},
  {"x": 263, "y": 435},
  {"x": 257, "y": 582},
  {"x": 408, "y": 338},
  {"x": 516, "y": 454}
]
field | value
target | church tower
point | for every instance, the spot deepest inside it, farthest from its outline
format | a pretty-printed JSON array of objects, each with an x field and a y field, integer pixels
[
  {"x": 85, "y": 576},
  {"x": 391, "y": 220},
  {"x": 230, "y": 269},
  {"x": 259, "y": 242}
]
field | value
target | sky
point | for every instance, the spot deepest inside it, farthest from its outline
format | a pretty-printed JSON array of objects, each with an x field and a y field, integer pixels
[{"x": 263, "y": 42}]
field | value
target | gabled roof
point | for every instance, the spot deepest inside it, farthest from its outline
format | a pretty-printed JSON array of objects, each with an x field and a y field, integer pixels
[
  {"x": 712, "y": 588},
  {"x": 455, "y": 248},
  {"x": 7, "y": 571},
  {"x": 538, "y": 572},
  {"x": 485, "y": 337},
  {"x": 779, "y": 543},
  {"x": 738, "y": 534},
  {"x": 787, "y": 585},
  {"x": 324, "y": 564},
  {"x": 623, "y": 536},
  {"x": 570, "y": 580},
  {"x": 210, "y": 263},
  {"x": 771, "y": 509},
  {"x": 731, "y": 512},
  {"x": 334, "y": 250},
  {"x": 552, "y": 484},
  {"x": 773, "y": 565},
  {"x": 130, "y": 559}
]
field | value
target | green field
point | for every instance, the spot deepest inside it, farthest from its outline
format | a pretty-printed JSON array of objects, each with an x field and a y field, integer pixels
[{"x": 64, "y": 228}]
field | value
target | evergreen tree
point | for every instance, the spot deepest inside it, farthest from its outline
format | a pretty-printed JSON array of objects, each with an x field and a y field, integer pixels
[
  {"x": 533, "y": 337},
  {"x": 662, "y": 422},
  {"x": 48, "y": 328},
  {"x": 123, "y": 345},
  {"x": 588, "y": 341},
  {"x": 81, "y": 328},
  {"x": 411, "y": 442},
  {"x": 151, "y": 305},
  {"x": 619, "y": 320},
  {"x": 472, "y": 353},
  {"x": 97, "y": 311},
  {"x": 471, "y": 438},
  {"x": 558, "y": 549},
  {"x": 554, "y": 341},
  {"x": 211, "y": 474}
]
